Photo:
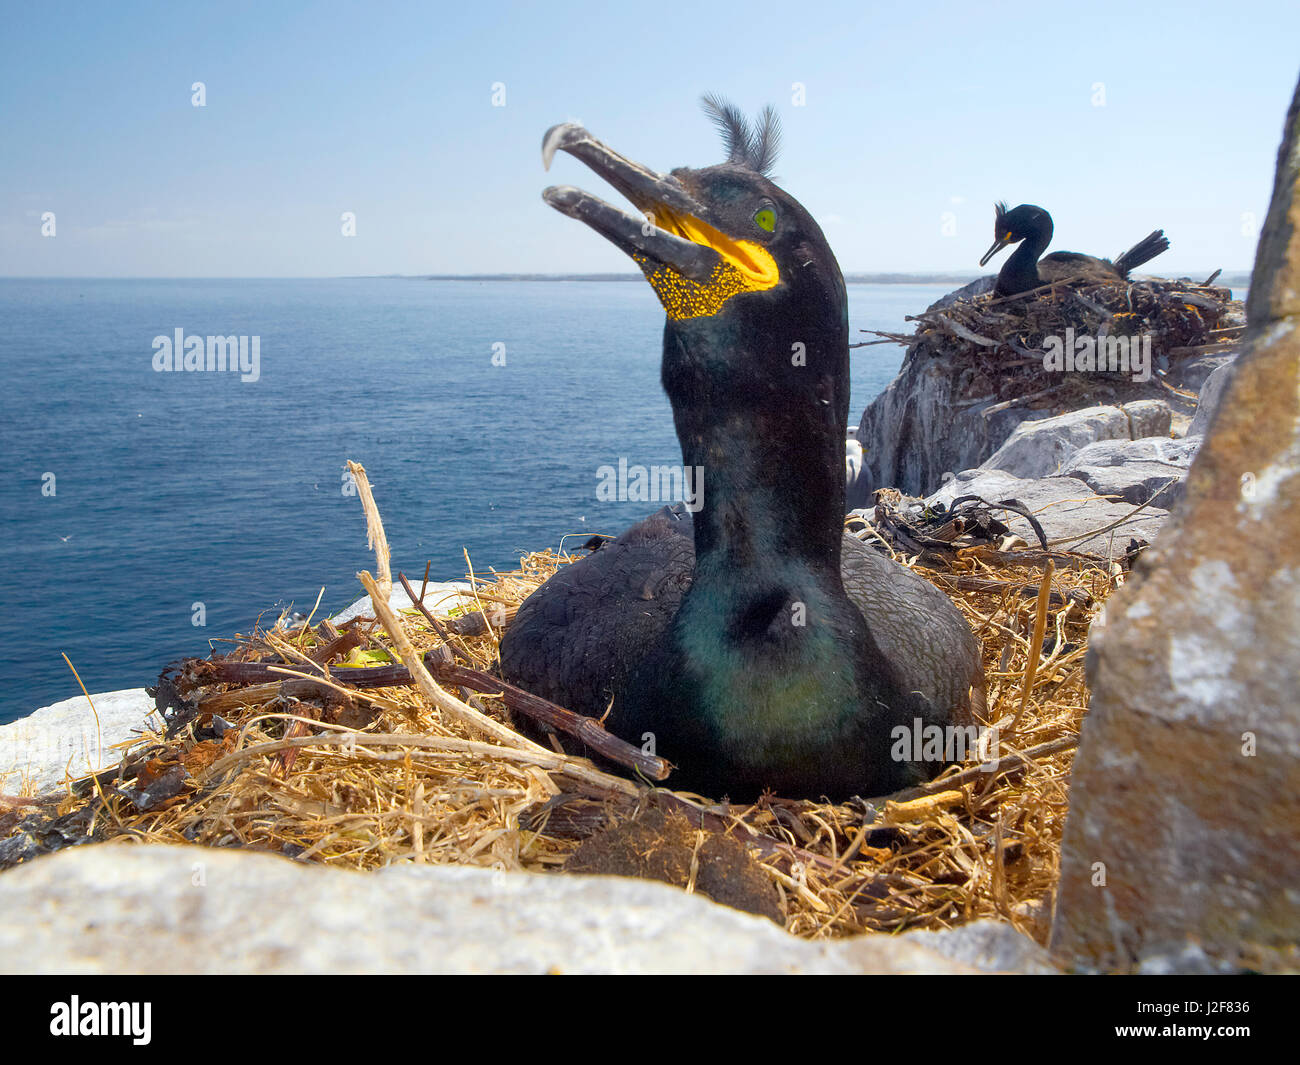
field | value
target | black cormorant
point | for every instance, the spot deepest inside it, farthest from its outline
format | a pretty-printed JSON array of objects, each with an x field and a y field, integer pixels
[
  {"x": 1025, "y": 270},
  {"x": 728, "y": 634}
]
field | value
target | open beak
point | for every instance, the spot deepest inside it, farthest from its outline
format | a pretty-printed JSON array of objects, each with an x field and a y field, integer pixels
[
  {"x": 671, "y": 215},
  {"x": 998, "y": 245}
]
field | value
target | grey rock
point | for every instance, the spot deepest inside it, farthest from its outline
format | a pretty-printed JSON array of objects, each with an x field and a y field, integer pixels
[
  {"x": 1041, "y": 447},
  {"x": 1207, "y": 402},
  {"x": 37, "y": 750},
  {"x": 1191, "y": 374},
  {"x": 118, "y": 909},
  {"x": 1067, "y": 509},
  {"x": 1176, "y": 454},
  {"x": 969, "y": 291},
  {"x": 1136, "y": 482},
  {"x": 1147, "y": 417},
  {"x": 930, "y": 420},
  {"x": 1038, "y": 448},
  {"x": 1135, "y": 470},
  {"x": 989, "y": 946}
]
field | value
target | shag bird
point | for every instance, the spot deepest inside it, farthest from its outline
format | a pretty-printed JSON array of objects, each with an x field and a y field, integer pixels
[
  {"x": 1033, "y": 227},
  {"x": 758, "y": 644}
]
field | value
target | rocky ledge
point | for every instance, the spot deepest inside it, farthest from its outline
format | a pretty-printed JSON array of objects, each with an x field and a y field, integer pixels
[{"x": 1097, "y": 478}]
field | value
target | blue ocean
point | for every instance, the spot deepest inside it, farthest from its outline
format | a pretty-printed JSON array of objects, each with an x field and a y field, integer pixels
[{"x": 481, "y": 410}]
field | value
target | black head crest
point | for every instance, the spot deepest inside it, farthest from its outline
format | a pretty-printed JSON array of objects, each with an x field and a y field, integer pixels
[
  {"x": 1000, "y": 210},
  {"x": 753, "y": 146}
]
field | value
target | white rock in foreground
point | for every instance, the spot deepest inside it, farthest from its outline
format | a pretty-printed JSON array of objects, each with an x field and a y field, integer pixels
[
  {"x": 120, "y": 908},
  {"x": 37, "y": 751}
]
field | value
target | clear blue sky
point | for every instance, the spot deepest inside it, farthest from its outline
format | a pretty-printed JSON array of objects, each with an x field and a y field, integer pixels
[{"x": 912, "y": 110}]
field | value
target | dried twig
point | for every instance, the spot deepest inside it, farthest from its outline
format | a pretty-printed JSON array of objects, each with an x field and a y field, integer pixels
[
  {"x": 584, "y": 773},
  {"x": 1036, "y": 641},
  {"x": 376, "y": 539}
]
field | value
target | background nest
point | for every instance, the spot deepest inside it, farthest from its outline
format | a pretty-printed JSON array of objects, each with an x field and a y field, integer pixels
[{"x": 1000, "y": 341}]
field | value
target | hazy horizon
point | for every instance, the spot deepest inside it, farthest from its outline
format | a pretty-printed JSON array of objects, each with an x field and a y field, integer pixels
[{"x": 910, "y": 277}]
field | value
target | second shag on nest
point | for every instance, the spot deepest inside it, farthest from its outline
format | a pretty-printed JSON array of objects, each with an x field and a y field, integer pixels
[
  {"x": 1031, "y": 227},
  {"x": 758, "y": 644}
]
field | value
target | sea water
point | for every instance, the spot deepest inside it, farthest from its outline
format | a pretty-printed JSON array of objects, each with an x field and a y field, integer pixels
[{"x": 146, "y": 511}]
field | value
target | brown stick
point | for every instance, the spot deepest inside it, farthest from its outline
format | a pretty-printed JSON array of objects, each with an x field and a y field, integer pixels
[
  {"x": 1181, "y": 392},
  {"x": 986, "y": 584},
  {"x": 1008, "y": 403},
  {"x": 339, "y": 645},
  {"x": 282, "y": 763},
  {"x": 1036, "y": 291},
  {"x": 419, "y": 602},
  {"x": 1006, "y": 764},
  {"x": 224, "y": 702},
  {"x": 587, "y": 729},
  {"x": 1223, "y": 344},
  {"x": 1036, "y": 641}
]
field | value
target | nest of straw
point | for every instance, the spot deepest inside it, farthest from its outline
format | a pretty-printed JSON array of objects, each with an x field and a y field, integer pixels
[
  {"x": 328, "y": 774},
  {"x": 1000, "y": 341}
]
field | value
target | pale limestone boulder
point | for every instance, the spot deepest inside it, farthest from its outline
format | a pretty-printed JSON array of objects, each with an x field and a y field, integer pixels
[
  {"x": 930, "y": 420},
  {"x": 989, "y": 946},
  {"x": 121, "y": 908},
  {"x": 1207, "y": 402},
  {"x": 1176, "y": 454},
  {"x": 1136, "y": 471},
  {"x": 1191, "y": 374},
  {"x": 1137, "y": 482},
  {"x": 38, "y": 750},
  {"x": 1042, "y": 447},
  {"x": 1038, "y": 448},
  {"x": 1147, "y": 418}
]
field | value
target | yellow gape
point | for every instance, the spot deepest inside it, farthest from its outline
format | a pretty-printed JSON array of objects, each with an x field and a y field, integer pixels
[{"x": 745, "y": 267}]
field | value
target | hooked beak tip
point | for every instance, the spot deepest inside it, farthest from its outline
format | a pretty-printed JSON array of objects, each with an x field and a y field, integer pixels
[{"x": 559, "y": 137}]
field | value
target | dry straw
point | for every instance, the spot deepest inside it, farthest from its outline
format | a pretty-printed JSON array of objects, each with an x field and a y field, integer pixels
[{"x": 363, "y": 780}]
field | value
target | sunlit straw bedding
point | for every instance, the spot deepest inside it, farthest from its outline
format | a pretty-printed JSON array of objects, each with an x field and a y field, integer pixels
[{"x": 395, "y": 778}]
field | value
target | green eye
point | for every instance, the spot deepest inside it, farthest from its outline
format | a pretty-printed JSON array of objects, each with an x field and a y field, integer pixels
[{"x": 766, "y": 219}]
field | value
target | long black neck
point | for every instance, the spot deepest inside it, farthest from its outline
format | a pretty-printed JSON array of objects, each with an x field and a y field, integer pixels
[
  {"x": 1020, "y": 272},
  {"x": 771, "y": 445}
]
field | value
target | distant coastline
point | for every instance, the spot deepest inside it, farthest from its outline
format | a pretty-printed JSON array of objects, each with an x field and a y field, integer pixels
[{"x": 1232, "y": 280}]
